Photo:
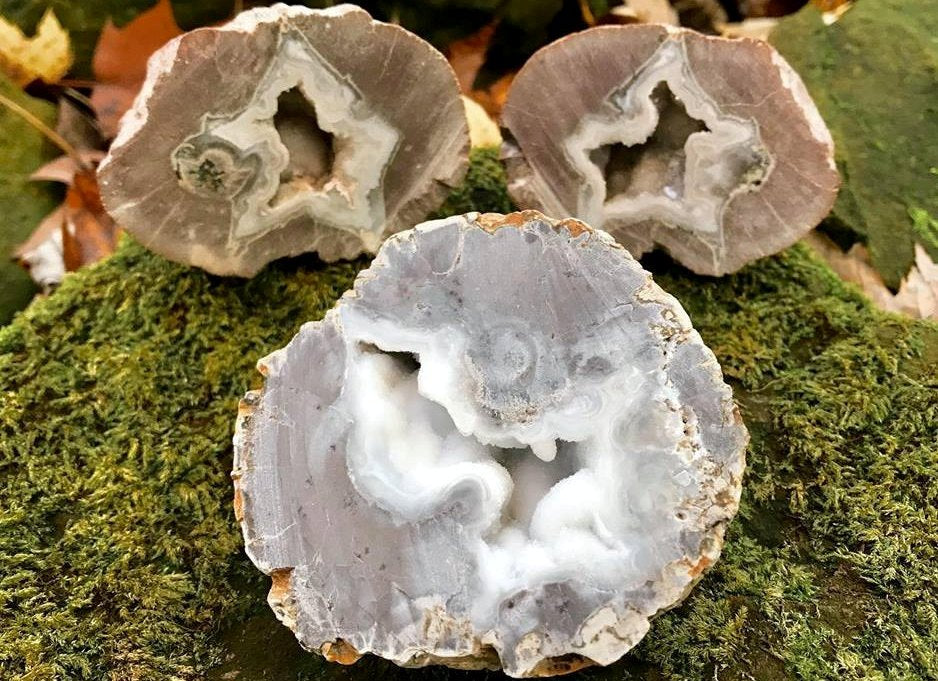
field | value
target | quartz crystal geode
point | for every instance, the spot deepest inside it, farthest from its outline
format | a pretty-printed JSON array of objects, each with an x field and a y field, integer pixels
[
  {"x": 708, "y": 147},
  {"x": 505, "y": 447},
  {"x": 285, "y": 131}
]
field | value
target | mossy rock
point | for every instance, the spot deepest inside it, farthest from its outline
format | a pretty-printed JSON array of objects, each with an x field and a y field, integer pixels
[
  {"x": 874, "y": 77},
  {"x": 120, "y": 557}
]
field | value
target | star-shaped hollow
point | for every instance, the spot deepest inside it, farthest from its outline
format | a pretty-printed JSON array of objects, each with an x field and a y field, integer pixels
[
  {"x": 315, "y": 148},
  {"x": 656, "y": 166},
  {"x": 460, "y": 476},
  {"x": 311, "y": 150},
  {"x": 661, "y": 150}
]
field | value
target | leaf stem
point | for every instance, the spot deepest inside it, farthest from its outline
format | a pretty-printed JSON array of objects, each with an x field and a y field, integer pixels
[{"x": 48, "y": 132}]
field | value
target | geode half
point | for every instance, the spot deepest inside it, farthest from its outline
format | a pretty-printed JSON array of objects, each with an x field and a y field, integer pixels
[
  {"x": 708, "y": 147},
  {"x": 505, "y": 447}
]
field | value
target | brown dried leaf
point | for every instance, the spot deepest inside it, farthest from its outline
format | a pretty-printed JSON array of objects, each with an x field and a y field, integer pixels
[
  {"x": 120, "y": 61},
  {"x": 466, "y": 57},
  {"x": 643, "y": 12},
  {"x": 64, "y": 168},
  {"x": 77, "y": 233},
  {"x": 89, "y": 233},
  {"x": 918, "y": 293}
]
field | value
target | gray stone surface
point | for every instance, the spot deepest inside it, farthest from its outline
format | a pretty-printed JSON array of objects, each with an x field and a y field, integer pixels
[
  {"x": 709, "y": 147},
  {"x": 506, "y": 446},
  {"x": 285, "y": 131}
]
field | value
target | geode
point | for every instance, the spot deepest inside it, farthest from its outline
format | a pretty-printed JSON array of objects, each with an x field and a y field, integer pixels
[
  {"x": 285, "y": 131},
  {"x": 709, "y": 147},
  {"x": 505, "y": 447}
]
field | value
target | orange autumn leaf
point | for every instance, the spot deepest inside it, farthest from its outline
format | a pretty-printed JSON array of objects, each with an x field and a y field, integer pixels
[
  {"x": 120, "y": 61},
  {"x": 828, "y": 5},
  {"x": 77, "y": 233},
  {"x": 466, "y": 57},
  {"x": 88, "y": 232}
]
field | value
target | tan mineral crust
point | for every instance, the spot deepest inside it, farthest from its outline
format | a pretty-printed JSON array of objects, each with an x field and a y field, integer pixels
[
  {"x": 709, "y": 147},
  {"x": 505, "y": 447},
  {"x": 287, "y": 130}
]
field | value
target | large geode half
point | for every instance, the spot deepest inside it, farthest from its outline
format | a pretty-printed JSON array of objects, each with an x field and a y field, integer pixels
[{"x": 506, "y": 446}]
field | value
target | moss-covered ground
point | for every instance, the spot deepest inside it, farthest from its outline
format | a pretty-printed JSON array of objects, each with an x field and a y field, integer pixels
[
  {"x": 874, "y": 76},
  {"x": 120, "y": 558}
]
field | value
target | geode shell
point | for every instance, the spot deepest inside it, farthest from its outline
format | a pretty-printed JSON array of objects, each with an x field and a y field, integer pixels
[{"x": 505, "y": 447}]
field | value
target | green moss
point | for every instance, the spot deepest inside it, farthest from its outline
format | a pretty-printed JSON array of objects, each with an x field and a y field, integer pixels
[
  {"x": 483, "y": 189},
  {"x": 874, "y": 77},
  {"x": 120, "y": 558}
]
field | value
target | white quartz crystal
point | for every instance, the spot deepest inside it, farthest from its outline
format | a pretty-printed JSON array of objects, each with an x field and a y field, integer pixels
[{"x": 506, "y": 447}]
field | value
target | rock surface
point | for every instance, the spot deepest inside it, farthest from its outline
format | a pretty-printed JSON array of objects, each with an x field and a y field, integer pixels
[
  {"x": 505, "y": 447},
  {"x": 706, "y": 146},
  {"x": 285, "y": 131}
]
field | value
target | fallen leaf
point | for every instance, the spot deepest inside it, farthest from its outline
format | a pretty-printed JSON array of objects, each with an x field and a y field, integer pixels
[
  {"x": 47, "y": 55},
  {"x": 64, "y": 168},
  {"x": 78, "y": 232},
  {"x": 759, "y": 28},
  {"x": 41, "y": 255},
  {"x": 483, "y": 131},
  {"x": 120, "y": 61},
  {"x": 917, "y": 295},
  {"x": 466, "y": 56},
  {"x": 644, "y": 12},
  {"x": 89, "y": 233},
  {"x": 78, "y": 126}
]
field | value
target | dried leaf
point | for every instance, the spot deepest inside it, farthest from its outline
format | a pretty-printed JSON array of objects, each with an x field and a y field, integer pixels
[
  {"x": 466, "y": 57},
  {"x": 483, "y": 131},
  {"x": 120, "y": 61},
  {"x": 918, "y": 293},
  {"x": 78, "y": 232},
  {"x": 89, "y": 233},
  {"x": 644, "y": 12},
  {"x": 41, "y": 255},
  {"x": 759, "y": 28},
  {"x": 77, "y": 126},
  {"x": 64, "y": 168},
  {"x": 47, "y": 55}
]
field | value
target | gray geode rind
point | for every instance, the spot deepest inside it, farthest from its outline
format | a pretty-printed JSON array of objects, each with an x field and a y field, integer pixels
[
  {"x": 285, "y": 131},
  {"x": 709, "y": 147},
  {"x": 505, "y": 447}
]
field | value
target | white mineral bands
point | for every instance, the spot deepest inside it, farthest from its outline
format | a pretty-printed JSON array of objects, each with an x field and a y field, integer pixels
[{"x": 506, "y": 447}]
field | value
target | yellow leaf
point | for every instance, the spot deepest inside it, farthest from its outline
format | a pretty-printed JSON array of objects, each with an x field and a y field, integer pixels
[
  {"x": 47, "y": 55},
  {"x": 483, "y": 131}
]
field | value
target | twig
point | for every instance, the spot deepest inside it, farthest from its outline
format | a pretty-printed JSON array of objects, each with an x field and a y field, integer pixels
[{"x": 48, "y": 132}]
